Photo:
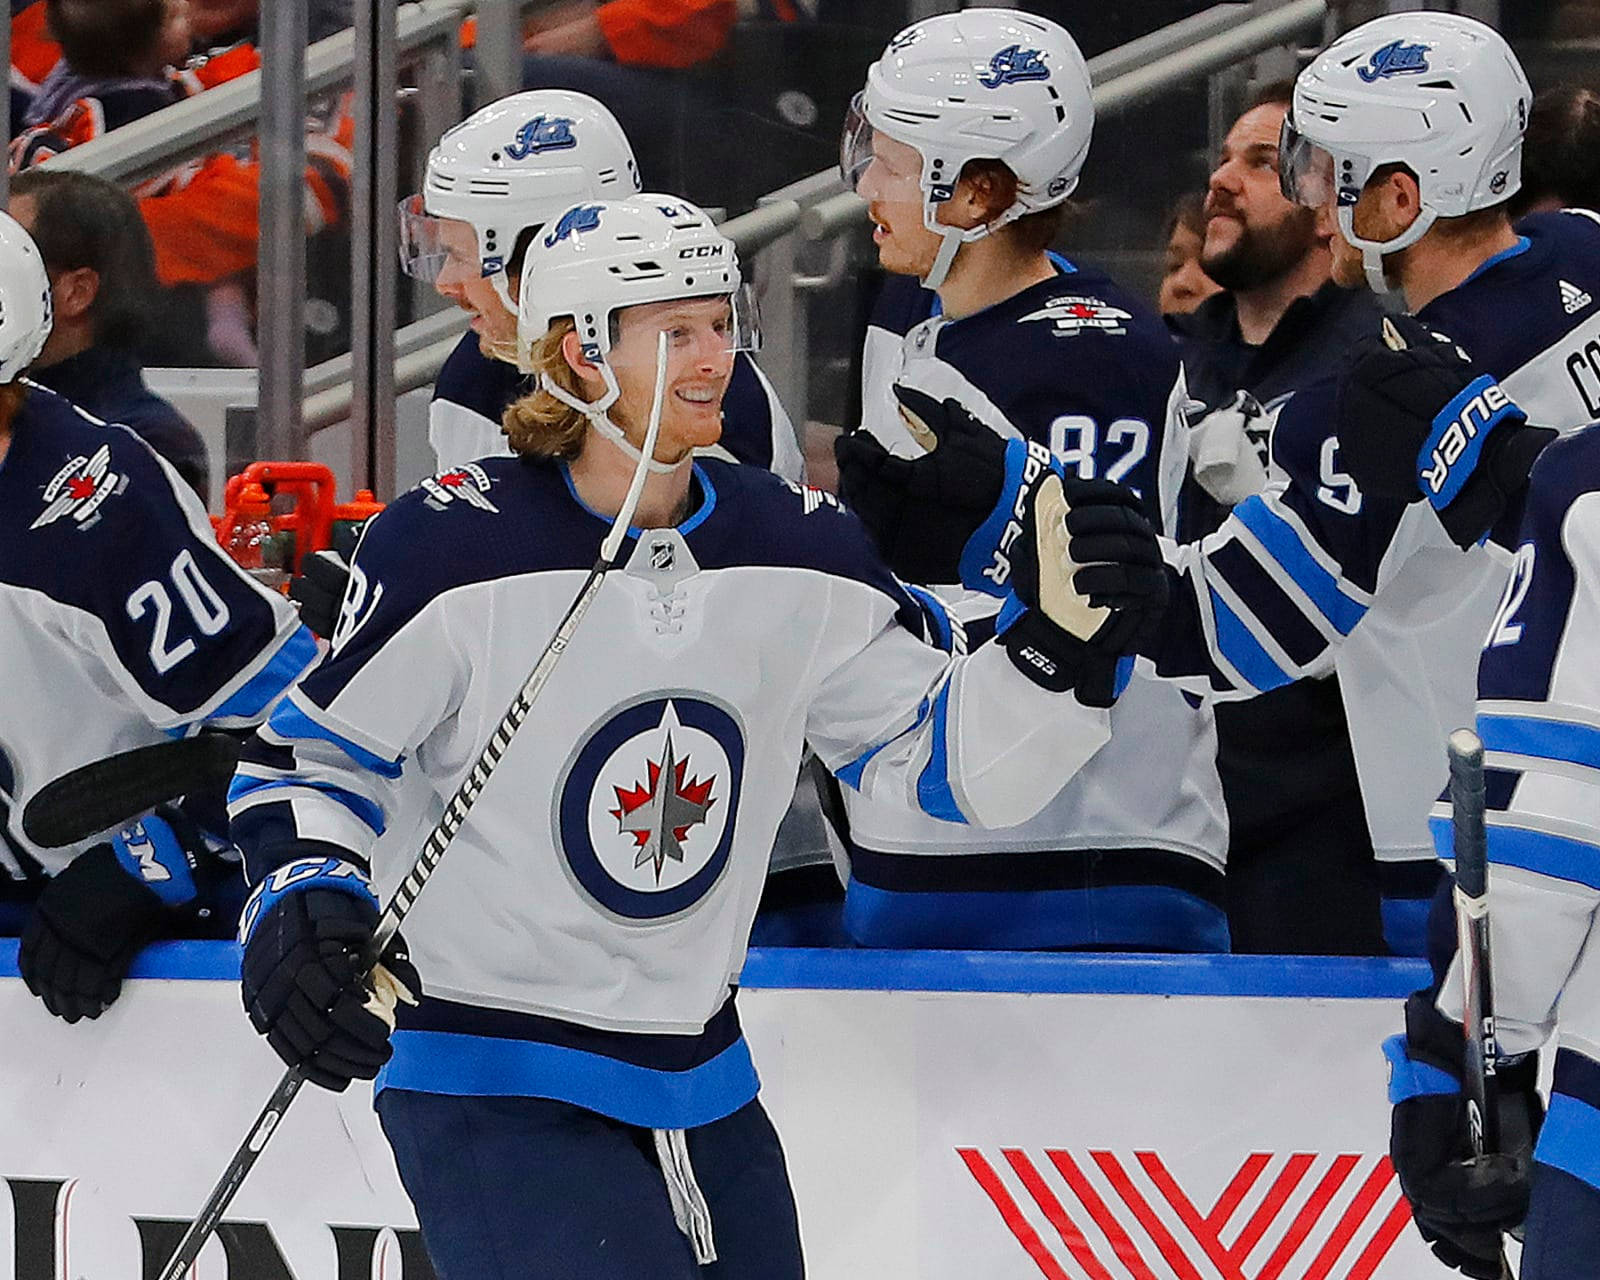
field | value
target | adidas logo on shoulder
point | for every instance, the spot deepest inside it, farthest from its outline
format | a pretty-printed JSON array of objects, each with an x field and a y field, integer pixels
[{"x": 1573, "y": 298}]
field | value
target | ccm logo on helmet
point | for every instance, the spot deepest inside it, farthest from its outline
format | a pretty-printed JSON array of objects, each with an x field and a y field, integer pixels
[
  {"x": 703, "y": 251},
  {"x": 1033, "y": 467},
  {"x": 1459, "y": 431}
]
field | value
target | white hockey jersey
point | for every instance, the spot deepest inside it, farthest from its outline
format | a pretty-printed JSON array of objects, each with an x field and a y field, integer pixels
[
  {"x": 580, "y": 937},
  {"x": 473, "y": 391},
  {"x": 1080, "y": 366},
  {"x": 1538, "y": 713},
  {"x": 122, "y": 622}
]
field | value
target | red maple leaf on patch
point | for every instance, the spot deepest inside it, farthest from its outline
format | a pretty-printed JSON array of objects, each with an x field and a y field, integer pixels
[
  {"x": 80, "y": 487},
  {"x": 453, "y": 478}
]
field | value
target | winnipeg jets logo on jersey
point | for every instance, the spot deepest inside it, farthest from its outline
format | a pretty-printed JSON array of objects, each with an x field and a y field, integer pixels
[
  {"x": 645, "y": 811},
  {"x": 79, "y": 489},
  {"x": 1014, "y": 63},
  {"x": 1071, "y": 315},
  {"x": 541, "y": 134},
  {"x": 1397, "y": 58},
  {"x": 660, "y": 812},
  {"x": 813, "y": 499},
  {"x": 468, "y": 483}
]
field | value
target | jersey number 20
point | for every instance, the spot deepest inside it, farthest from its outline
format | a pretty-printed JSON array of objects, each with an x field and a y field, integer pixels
[{"x": 205, "y": 607}]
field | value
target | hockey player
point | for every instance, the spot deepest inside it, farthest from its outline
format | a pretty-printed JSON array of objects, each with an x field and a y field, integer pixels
[
  {"x": 1418, "y": 169},
  {"x": 578, "y": 1043},
  {"x": 491, "y": 183},
  {"x": 966, "y": 140},
  {"x": 122, "y": 623}
]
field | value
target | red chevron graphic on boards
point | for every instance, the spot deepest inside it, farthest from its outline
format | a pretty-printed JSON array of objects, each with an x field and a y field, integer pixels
[{"x": 1303, "y": 1216}]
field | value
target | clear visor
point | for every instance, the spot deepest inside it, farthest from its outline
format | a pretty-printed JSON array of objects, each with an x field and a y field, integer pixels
[
  {"x": 709, "y": 329},
  {"x": 874, "y": 165},
  {"x": 431, "y": 247},
  {"x": 1305, "y": 170}
]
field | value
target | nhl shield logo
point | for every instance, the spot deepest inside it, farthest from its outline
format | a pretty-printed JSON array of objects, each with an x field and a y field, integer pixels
[{"x": 645, "y": 812}]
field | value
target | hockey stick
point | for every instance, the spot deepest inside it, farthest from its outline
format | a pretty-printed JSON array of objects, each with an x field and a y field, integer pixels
[
  {"x": 1471, "y": 894},
  {"x": 455, "y": 813},
  {"x": 107, "y": 794}
]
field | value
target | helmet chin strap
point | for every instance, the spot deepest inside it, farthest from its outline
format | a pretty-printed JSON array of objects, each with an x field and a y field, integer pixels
[
  {"x": 1373, "y": 251},
  {"x": 595, "y": 410}
]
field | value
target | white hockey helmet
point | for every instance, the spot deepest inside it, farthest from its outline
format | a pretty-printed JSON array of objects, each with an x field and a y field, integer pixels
[
  {"x": 991, "y": 84},
  {"x": 597, "y": 259},
  {"x": 25, "y": 306},
  {"x": 1439, "y": 93},
  {"x": 513, "y": 164}
]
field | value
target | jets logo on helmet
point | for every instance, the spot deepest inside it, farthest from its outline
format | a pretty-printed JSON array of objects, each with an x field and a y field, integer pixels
[
  {"x": 542, "y": 133},
  {"x": 585, "y": 217},
  {"x": 1395, "y": 59},
  {"x": 1012, "y": 64}
]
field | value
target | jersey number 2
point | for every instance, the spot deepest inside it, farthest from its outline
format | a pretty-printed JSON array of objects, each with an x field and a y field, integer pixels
[
  {"x": 208, "y": 610},
  {"x": 1502, "y": 630}
]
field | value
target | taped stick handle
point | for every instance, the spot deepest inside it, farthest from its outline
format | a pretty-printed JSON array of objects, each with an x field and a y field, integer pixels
[{"x": 1471, "y": 842}]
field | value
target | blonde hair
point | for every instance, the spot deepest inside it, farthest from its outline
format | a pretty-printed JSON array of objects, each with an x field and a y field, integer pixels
[{"x": 539, "y": 425}]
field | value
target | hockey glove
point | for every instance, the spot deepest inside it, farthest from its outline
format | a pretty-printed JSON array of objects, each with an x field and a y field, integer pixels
[
  {"x": 1461, "y": 1203},
  {"x": 319, "y": 590},
  {"x": 305, "y": 931},
  {"x": 105, "y": 905},
  {"x": 1416, "y": 419},
  {"x": 1089, "y": 586},
  {"x": 921, "y": 512}
]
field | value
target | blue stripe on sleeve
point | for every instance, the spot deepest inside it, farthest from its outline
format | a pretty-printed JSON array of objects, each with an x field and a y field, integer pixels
[
  {"x": 1544, "y": 739},
  {"x": 489, "y": 1066},
  {"x": 936, "y": 616},
  {"x": 1570, "y": 1139},
  {"x": 291, "y": 722},
  {"x": 1411, "y": 1079},
  {"x": 933, "y": 785},
  {"x": 1242, "y": 650},
  {"x": 243, "y": 785},
  {"x": 1560, "y": 857},
  {"x": 294, "y": 655},
  {"x": 1283, "y": 544}
]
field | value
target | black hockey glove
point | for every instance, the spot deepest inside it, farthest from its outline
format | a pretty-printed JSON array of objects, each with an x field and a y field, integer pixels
[
  {"x": 1417, "y": 419},
  {"x": 305, "y": 931},
  {"x": 921, "y": 512},
  {"x": 1460, "y": 1203},
  {"x": 106, "y": 904},
  {"x": 1089, "y": 586},
  {"x": 319, "y": 590}
]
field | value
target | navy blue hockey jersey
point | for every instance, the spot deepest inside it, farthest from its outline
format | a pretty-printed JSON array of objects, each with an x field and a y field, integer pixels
[
  {"x": 1293, "y": 570},
  {"x": 1130, "y": 850},
  {"x": 122, "y": 622}
]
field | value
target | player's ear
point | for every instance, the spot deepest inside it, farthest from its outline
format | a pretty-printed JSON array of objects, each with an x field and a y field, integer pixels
[
  {"x": 572, "y": 351},
  {"x": 74, "y": 292}
]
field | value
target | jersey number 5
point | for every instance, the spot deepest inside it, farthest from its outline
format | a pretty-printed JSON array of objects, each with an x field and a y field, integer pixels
[{"x": 205, "y": 607}]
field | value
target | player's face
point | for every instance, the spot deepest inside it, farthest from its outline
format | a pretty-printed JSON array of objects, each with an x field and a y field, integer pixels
[
  {"x": 699, "y": 363},
  {"x": 891, "y": 187},
  {"x": 173, "y": 46},
  {"x": 462, "y": 281},
  {"x": 1184, "y": 284},
  {"x": 1253, "y": 234}
]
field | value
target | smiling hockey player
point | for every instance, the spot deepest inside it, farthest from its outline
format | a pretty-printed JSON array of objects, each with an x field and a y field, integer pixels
[{"x": 573, "y": 1096}]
